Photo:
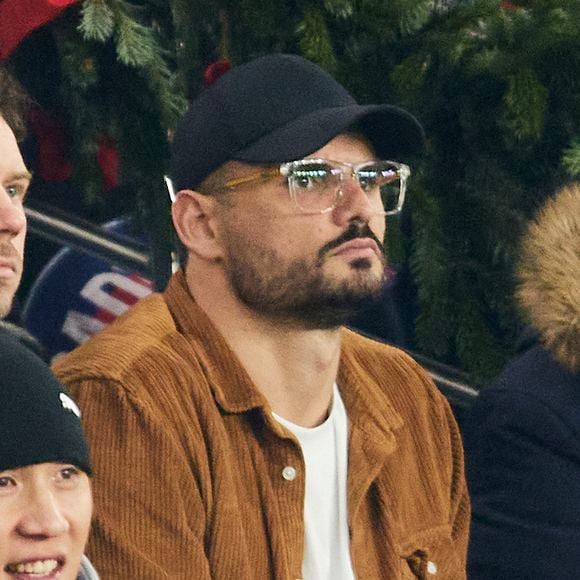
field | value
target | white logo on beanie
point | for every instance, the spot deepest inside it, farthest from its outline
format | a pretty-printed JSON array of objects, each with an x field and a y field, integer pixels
[{"x": 68, "y": 403}]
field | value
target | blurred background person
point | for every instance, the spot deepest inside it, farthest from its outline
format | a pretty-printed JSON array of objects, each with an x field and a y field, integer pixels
[
  {"x": 14, "y": 181},
  {"x": 523, "y": 436},
  {"x": 45, "y": 492}
]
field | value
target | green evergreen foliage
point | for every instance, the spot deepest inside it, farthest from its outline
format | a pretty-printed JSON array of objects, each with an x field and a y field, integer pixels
[
  {"x": 136, "y": 44},
  {"x": 429, "y": 264},
  {"x": 120, "y": 85},
  {"x": 315, "y": 43},
  {"x": 571, "y": 159},
  {"x": 525, "y": 105},
  {"x": 495, "y": 89},
  {"x": 495, "y": 84},
  {"x": 339, "y": 8},
  {"x": 97, "y": 21},
  {"x": 183, "y": 33}
]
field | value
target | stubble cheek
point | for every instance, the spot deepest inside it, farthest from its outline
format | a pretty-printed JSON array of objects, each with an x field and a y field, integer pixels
[
  {"x": 9, "y": 286},
  {"x": 7, "y": 292}
]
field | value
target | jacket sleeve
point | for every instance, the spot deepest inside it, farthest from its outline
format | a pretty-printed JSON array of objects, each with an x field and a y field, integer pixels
[
  {"x": 524, "y": 473},
  {"x": 149, "y": 518}
]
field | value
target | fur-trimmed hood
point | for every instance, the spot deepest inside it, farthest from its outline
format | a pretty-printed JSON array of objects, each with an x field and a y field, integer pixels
[{"x": 549, "y": 276}]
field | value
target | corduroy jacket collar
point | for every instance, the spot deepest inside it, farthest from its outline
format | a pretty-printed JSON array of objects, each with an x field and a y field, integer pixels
[{"x": 235, "y": 392}]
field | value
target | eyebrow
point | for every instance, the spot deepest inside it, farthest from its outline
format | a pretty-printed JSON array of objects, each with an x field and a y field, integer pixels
[{"x": 22, "y": 175}]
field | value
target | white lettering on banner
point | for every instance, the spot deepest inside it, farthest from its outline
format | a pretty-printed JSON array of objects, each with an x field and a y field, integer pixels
[
  {"x": 94, "y": 292},
  {"x": 80, "y": 327}
]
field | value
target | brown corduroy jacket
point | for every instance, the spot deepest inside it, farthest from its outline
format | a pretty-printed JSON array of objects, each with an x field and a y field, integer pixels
[{"x": 189, "y": 462}]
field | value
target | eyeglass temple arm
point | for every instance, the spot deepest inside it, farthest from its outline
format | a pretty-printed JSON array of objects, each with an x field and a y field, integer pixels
[{"x": 253, "y": 177}]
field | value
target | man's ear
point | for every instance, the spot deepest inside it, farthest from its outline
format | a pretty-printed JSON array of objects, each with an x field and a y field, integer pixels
[{"x": 192, "y": 215}]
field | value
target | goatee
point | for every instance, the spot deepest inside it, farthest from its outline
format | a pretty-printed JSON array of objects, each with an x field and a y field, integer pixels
[{"x": 299, "y": 293}]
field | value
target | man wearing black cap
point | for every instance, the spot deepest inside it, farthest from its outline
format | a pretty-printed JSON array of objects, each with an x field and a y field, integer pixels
[
  {"x": 14, "y": 181},
  {"x": 241, "y": 431},
  {"x": 45, "y": 493}
]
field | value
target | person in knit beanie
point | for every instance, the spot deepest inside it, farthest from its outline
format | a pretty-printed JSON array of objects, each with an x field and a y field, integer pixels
[
  {"x": 45, "y": 492},
  {"x": 522, "y": 440}
]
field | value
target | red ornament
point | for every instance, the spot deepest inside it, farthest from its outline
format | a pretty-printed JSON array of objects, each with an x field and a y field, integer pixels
[
  {"x": 108, "y": 160},
  {"x": 18, "y": 18},
  {"x": 215, "y": 70},
  {"x": 54, "y": 147},
  {"x": 53, "y": 142}
]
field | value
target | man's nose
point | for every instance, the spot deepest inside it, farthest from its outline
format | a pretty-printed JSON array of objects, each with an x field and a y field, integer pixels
[
  {"x": 43, "y": 516},
  {"x": 12, "y": 216},
  {"x": 354, "y": 203}
]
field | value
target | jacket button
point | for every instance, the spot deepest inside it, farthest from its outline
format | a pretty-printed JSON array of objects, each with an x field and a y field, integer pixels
[
  {"x": 431, "y": 567},
  {"x": 289, "y": 473}
]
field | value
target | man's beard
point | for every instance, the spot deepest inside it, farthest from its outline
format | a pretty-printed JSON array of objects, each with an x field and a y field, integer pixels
[
  {"x": 9, "y": 286},
  {"x": 299, "y": 292}
]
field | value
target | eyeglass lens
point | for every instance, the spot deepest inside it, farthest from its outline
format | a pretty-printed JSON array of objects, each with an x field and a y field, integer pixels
[{"x": 317, "y": 185}]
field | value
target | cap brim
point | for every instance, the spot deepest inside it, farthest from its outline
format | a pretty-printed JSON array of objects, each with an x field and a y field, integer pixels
[{"x": 394, "y": 134}]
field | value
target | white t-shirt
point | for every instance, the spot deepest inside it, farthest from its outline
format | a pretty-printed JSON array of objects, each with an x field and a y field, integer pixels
[{"x": 325, "y": 451}]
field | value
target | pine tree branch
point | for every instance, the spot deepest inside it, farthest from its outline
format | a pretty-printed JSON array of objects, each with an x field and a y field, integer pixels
[{"x": 97, "y": 20}]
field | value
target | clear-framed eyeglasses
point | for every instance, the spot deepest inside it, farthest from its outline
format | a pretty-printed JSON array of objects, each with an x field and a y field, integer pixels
[{"x": 316, "y": 185}]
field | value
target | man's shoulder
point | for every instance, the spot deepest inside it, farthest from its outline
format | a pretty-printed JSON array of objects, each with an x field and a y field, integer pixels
[
  {"x": 115, "y": 350},
  {"x": 532, "y": 388}
]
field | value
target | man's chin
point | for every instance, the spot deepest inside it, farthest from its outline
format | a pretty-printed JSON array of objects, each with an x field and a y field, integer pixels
[
  {"x": 331, "y": 312},
  {"x": 362, "y": 273},
  {"x": 339, "y": 303},
  {"x": 6, "y": 299}
]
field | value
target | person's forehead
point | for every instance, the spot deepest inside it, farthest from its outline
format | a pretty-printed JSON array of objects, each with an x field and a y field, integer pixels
[
  {"x": 345, "y": 147},
  {"x": 10, "y": 156},
  {"x": 6, "y": 133}
]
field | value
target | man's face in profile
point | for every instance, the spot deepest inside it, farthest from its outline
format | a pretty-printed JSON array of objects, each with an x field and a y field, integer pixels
[
  {"x": 14, "y": 181},
  {"x": 315, "y": 268}
]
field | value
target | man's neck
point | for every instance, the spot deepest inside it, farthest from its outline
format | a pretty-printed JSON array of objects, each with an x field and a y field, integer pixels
[{"x": 293, "y": 367}]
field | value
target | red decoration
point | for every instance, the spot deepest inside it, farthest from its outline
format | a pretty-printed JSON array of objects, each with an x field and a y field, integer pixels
[
  {"x": 54, "y": 146},
  {"x": 215, "y": 70},
  {"x": 18, "y": 18},
  {"x": 509, "y": 6},
  {"x": 53, "y": 142},
  {"x": 108, "y": 160}
]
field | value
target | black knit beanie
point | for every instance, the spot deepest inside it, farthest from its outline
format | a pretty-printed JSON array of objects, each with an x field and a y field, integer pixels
[{"x": 39, "y": 422}]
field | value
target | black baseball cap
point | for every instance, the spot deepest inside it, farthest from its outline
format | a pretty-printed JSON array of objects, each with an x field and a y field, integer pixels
[{"x": 279, "y": 108}]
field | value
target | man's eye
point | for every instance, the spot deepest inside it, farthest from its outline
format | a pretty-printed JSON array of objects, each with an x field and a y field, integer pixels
[
  {"x": 311, "y": 178},
  {"x": 303, "y": 181},
  {"x": 16, "y": 190},
  {"x": 6, "y": 482},
  {"x": 368, "y": 180},
  {"x": 67, "y": 474}
]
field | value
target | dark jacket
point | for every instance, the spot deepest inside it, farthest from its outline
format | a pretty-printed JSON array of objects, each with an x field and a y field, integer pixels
[{"x": 523, "y": 436}]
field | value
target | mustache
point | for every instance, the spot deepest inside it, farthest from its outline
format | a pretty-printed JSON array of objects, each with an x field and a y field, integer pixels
[
  {"x": 8, "y": 251},
  {"x": 354, "y": 232}
]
